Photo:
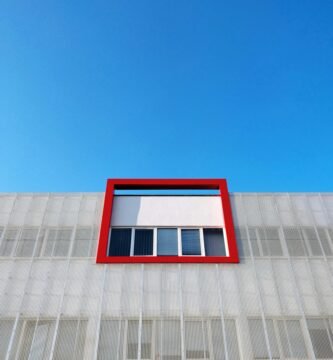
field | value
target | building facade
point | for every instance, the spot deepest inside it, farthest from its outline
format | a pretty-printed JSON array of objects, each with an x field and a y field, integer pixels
[{"x": 56, "y": 302}]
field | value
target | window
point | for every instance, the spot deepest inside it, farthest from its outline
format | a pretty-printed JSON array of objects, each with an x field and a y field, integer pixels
[
  {"x": 143, "y": 243},
  {"x": 82, "y": 242},
  {"x": 295, "y": 242},
  {"x": 321, "y": 338},
  {"x": 284, "y": 335},
  {"x": 32, "y": 339},
  {"x": 214, "y": 242},
  {"x": 111, "y": 338},
  {"x": 191, "y": 242},
  {"x": 196, "y": 342},
  {"x": 265, "y": 241},
  {"x": 167, "y": 242},
  {"x": 162, "y": 339},
  {"x": 120, "y": 242},
  {"x": 26, "y": 244},
  {"x": 70, "y": 342},
  {"x": 57, "y": 242},
  {"x": 8, "y": 241},
  {"x": 133, "y": 339},
  {"x": 171, "y": 242}
]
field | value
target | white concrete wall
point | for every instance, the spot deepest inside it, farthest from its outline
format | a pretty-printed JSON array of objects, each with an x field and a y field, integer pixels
[{"x": 167, "y": 211}]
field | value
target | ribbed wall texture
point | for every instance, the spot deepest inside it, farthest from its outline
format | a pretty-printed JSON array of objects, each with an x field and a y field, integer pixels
[{"x": 56, "y": 303}]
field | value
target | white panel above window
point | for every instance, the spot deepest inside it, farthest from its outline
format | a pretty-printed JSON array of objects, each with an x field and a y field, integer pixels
[{"x": 167, "y": 211}]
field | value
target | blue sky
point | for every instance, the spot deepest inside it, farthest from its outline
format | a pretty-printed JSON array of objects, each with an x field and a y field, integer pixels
[{"x": 97, "y": 89}]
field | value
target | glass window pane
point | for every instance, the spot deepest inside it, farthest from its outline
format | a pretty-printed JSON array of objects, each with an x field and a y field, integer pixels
[
  {"x": 143, "y": 243},
  {"x": 167, "y": 242},
  {"x": 214, "y": 242},
  {"x": 120, "y": 242},
  {"x": 191, "y": 242}
]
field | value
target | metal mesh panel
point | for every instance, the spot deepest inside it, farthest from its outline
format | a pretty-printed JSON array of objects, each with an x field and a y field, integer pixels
[
  {"x": 33, "y": 339},
  {"x": 26, "y": 244},
  {"x": 168, "y": 339},
  {"x": 8, "y": 241},
  {"x": 325, "y": 241},
  {"x": 132, "y": 339},
  {"x": 270, "y": 241},
  {"x": 111, "y": 339},
  {"x": 6, "y": 328},
  {"x": 259, "y": 345},
  {"x": 57, "y": 242},
  {"x": 70, "y": 339},
  {"x": 292, "y": 340},
  {"x": 82, "y": 242},
  {"x": 254, "y": 242},
  {"x": 295, "y": 242},
  {"x": 321, "y": 338},
  {"x": 196, "y": 344},
  {"x": 242, "y": 242},
  {"x": 313, "y": 241}
]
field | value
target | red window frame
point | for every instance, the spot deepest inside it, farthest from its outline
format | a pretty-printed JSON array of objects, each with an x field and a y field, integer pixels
[{"x": 166, "y": 184}]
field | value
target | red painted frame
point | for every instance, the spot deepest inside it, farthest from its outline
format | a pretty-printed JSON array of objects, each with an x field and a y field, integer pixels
[{"x": 166, "y": 184}]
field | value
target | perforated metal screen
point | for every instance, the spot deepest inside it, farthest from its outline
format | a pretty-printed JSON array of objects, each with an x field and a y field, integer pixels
[{"x": 57, "y": 303}]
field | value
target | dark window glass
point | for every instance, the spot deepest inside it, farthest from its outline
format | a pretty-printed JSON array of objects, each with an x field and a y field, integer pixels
[
  {"x": 190, "y": 242},
  {"x": 214, "y": 242},
  {"x": 143, "y": 243},
  {"x": 120, "y": 242},
  {"x": 167, "y": 243}
]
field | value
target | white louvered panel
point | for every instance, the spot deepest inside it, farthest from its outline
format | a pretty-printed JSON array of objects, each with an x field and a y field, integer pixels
[
  {"x": 112, "y": 290},
  {"x": 301, "y": 209},
  {"x": 209, "y": 297},
  {"x": 152, "y": 290},
  {"x": 269, "y": 294},
  {"x": 74, "y": 290},
  {"x": 5, "y": 276},
  {"x": 328, "y": 202},
  {"x": 53, "y": 287},
  {"x": 131, "y": 290},
  {"x": 6, "y": 204},
  {"x": 229, "y": 291},
  {"x": 248, "y": 289},
  {"x": 323, "y": 281},
  {"x": 22, "y": 203},
  {"x": 190, "y": 290},
  {"x": 268, "y": 210},
  {"x": 34, "y": 216},
  {"x": 237, "y": 210},
  {"x": 91, "y": 291},
  {"x": 53, "y": 210},
  {"x": 87, "y": 210},
  {"x": 284, "y": 209},
  {"x": 317, "y": 209},
  {"x": 285, "y": 287},
  {"x": 251, "y": 207},
  {"x": 170, "y": 294},
  {"x": 15, "y": 287},
  {"x": 306, "y": 287},
  {"x": 69, "y": 211}
]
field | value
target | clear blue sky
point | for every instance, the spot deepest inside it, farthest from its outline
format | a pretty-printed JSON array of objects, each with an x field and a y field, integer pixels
[{"x": 97, "y": 89}]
